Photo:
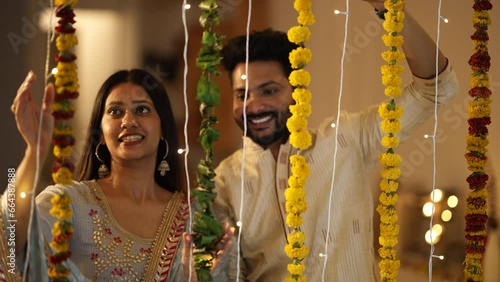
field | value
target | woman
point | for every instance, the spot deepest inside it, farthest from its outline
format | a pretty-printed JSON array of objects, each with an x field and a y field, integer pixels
[{"x": 129, "y": 211}]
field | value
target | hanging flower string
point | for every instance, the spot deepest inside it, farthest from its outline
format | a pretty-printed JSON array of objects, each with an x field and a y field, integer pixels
[
  {"x": 390, "y": 112},
  {"x": 62, "y": 232},
  {"x": 300, "y": 138},
  {"x": 479, "y": 117},
  {"x": 66, "y": 86},
  {"x": 207, "y": 230}
]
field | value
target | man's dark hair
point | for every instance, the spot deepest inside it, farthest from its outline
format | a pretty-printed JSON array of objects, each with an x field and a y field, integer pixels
[{"x": 265, "y": 45}]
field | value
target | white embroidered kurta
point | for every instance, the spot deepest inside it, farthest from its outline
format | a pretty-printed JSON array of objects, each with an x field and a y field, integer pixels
[
  {"x": 102, "y": 250},
  {"x": 351, "y": 256}
]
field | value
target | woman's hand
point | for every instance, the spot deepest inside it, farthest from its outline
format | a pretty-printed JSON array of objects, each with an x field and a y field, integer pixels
[
  {"x": 221, "y": 249},
  {"x": 27, "y": 114}
]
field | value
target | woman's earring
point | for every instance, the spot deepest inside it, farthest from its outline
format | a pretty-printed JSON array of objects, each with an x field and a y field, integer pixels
[
  {"x": 103, "y": 169},
  {"x": 163, "y": 167}
]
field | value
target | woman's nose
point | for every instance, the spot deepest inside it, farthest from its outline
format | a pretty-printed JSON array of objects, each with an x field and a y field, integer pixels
[{"x": 128, "y": 121}]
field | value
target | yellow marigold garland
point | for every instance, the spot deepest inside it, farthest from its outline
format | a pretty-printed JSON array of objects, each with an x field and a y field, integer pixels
[
  {"x": 479, "y": 117},
  {"x": 66, "y": 86},
  {"x": 390, "y": 112},
  {"x": 300, "y": 138}
]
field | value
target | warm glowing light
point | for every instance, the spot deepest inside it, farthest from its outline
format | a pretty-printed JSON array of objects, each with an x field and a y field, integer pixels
[
  {"x": 437, "y": 195},
  {"x": 428, "y": 209},
  {"x": 54, "y": 71},
  {"x": 438, "y": 229},
  {"x": 180, "y": 151},
  {"x": 446, "y": 215},
  {"x": 238, "y": 223},
  {"x": 434, "y": 239},
  {"x": 332, "y": 125},
  {"x": 243, "y": 76},
  {"x": 23, "y": 195},
  {"x": 187, "y": 6},
  {"x": 452, "y": 201}
]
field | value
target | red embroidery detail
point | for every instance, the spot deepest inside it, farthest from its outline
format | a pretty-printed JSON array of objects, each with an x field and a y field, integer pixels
[
  {"x": 174, "y": 236},
  {"x": 92, "y": 212},
  {"x": 148, "y": 250},
  {"x": 117, "y": 239},
  {"x": 94, "y": 256},
  {"x": 118, "y": 272},
  {"x": 108, "y": 231}
]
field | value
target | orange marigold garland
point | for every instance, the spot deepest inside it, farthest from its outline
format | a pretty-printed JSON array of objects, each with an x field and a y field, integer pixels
[
  {"x": 477, "y": 140},
  {"x": 390, "y": 112},
  {"x": 66, "y": 86},
  {"x": 299, "y": 138}
]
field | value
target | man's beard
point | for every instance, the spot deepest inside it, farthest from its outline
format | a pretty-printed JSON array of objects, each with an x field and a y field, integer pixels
[{"x": 280, "y": 132}]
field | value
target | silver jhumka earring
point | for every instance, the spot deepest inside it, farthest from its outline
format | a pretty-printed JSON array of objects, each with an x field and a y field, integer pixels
[
  {"x": 103, "y": 169},
  {"x": 163, "y": 167}
]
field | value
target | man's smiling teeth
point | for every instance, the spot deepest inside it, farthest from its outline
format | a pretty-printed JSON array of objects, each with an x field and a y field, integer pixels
[
  {"x": 131, "y": 138},
  {"x": 262, "y": 119}
]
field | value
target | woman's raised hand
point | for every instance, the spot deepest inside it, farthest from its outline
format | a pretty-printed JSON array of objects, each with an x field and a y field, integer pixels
[{"x": 27, "y": 114}]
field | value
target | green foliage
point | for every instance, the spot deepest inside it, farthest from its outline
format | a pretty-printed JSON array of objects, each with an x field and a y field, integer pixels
[{"x": 207, "y": 230}]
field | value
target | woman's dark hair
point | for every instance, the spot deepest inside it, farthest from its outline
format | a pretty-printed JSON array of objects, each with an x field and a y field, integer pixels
[
  {"x": 265, "y": 45},
  {"x": 89, "y": 164}
]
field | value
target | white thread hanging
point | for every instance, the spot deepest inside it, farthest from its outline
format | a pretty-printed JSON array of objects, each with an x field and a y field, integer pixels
[
  {"x": 37, "y": 160},
  {"x": 434, "y": 172},
  {"x": 245, "y": 130},
  {"x": 325, "y": 255},
  {"x": 186, "y": 141}
]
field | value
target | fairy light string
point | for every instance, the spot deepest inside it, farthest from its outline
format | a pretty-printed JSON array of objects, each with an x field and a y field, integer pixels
[
  {"x": 390, "y": 113},
  {"x": 434, "y": 150},
  {"x": 66, "y": 87},
  {"x": 300, "y": 139},
  {"x": 207, "y": 230},
  {"x": 479, "y": 112}
]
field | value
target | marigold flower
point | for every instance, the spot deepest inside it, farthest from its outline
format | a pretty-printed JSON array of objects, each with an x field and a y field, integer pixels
[
  {"x": 391, "y": 126},
  {"x": 296, "y": 238},
  {"x": 301, "y": 5},
  {"x": 306, "y": 17},
  {"x": 296, "y": 123},
  {"x": 296, "y": 269},
  {"x": 300, "y": 77},
  {"x": 300, "y": 57},
  {"x": 65, "y": 2},
  {"x": 294, "y": 221},
  {"x": 390, "y": 141},
  {"x": 385, "y": 113},
  {"x": 296, "y": 253},
  {"x": 301, "y": 140},
  {"x": 299, "y": 34},
  {"x": 301, "y": 95},
  {"x": 390, "y": 172},
  {"x": 301, "y": 110}
]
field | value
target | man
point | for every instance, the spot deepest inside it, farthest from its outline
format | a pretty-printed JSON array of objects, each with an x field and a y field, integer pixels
[{"x": 263, "y": 229}]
